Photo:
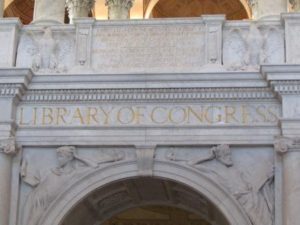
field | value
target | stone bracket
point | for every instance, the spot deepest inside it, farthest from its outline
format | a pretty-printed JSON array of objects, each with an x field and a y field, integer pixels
[
  {"x": 214, "y": 38},
  {"x": 84, "y": 33},
  {"x": 145, "y": 159}
]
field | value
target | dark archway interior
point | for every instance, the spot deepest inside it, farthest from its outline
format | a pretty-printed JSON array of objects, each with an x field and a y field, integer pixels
[
  {"x": 145, "y": 201},
  {"x": 233, "y": 9}
]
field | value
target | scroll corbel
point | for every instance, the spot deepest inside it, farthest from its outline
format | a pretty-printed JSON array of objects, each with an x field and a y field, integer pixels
[{"x": 8, "y": 146}]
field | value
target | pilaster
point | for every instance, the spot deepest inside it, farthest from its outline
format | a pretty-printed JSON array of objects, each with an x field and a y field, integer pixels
[
  {"x": 119, "y": 9},
  {"x": 289, "y": 150},
  {"x": 285, "y": 82},
  {"x": 7, "y": 151},
  {"x": 292, "y": 28},
  {"x": 79, "y": 8},
  {"x": 13, "y": 83}
]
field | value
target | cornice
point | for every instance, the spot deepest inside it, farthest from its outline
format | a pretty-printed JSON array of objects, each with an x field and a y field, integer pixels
[
  {"x": 14, "y": 82},
  {"x": 283, "y": 79},
  {"x": 162, "y": 94}
]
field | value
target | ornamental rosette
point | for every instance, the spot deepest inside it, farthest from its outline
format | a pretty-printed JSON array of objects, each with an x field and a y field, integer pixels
[{"x": 121, "y": 3}]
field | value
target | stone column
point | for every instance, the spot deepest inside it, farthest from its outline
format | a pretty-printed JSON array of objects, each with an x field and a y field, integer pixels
[
  {"x": 49, "y": 11},
  {"x": 268, "y": 9},
  {"x": 119, "y": 9},
  {"x": 79, "y": 8},
  {"x": 7, "y": 150},
  {"x": 290, "y": 151}
]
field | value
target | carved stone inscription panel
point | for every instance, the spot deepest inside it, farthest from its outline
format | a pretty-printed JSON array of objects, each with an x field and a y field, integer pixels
[
  {"x": 104, "y": 115},
  {"x": 148, "y": 48}
]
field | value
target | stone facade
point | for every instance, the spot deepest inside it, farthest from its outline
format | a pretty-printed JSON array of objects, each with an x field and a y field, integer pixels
[{"x": 95, "y": 112}]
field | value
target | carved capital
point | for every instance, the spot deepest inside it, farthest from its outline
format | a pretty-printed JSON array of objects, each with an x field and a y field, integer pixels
[
  {"x": 8, "y": 146},
  {"x": 87, "y": 4},
  {"x": 283, "y": 145},
  {"x": 295, "y": 5},
  {"x": 127, "y": 4}
]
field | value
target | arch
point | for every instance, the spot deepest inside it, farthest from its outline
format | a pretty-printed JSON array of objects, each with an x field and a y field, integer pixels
[
  {"x": 153, "y": 3},
  {"x": 190, "y": 177}
]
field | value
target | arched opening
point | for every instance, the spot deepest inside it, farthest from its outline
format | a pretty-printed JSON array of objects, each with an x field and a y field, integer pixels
[
  {"x": 194, "y": 193},
  {"x": 233, "y": 9},
  {"x": 145, "y": 201}
]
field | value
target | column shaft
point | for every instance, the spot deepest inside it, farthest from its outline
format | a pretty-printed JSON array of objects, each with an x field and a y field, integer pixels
[
  {"x": 49, "y": 11},
  {"x": 263, "y": 9}
]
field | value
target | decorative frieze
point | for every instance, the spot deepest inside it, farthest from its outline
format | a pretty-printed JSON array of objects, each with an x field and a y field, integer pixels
[
  {"x": 286, "y": 87},
  {"x": 126, "y": 95}
]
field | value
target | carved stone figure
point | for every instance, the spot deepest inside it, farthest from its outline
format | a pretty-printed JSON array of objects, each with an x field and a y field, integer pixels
[
  {"x": 257, "y": 198},
  {"x": 221, "y": 153},
  {"x": 8, "y": 146},
  {"x": 46, "y": 189},
  {"x": 247, "y": 51},
  {"x": 44, "y": 55}
]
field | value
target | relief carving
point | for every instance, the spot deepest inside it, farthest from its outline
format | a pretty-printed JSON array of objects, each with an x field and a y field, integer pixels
[
  {"x": 45, "y": 189},
  {"x": 8, "y": 146},
  {"x": 248, "y": 50},
  {"x": 256, "y": 197},
  {"x": 47, "y": 53}
]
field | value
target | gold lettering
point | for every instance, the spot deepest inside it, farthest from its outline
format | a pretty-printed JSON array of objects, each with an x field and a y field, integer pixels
[
  {"x": 47, "y": 118},
  {"x": 139, "y": 114},
  {"x": 175, "y": 111},
  {"x": 35, "y": 116},
  {"x": 272, "y": 110},
  {"x": 60, "y": 115},
  {"x": 78, "y": 116},
  {"x": 198, "y": 115},
  {"x": 261, "y": 111},
  {"x": 124, "y": 118},
  {"x": 210, "y": 111},
  {"x": 158, "y": 109},
  {"x": 92, "y": 115},
  {"x": 21, "y": 117},
  {"x": 106, "y": 114},
  {"x": 230, "y": 112},
  {"x": 245, "y": 115}
]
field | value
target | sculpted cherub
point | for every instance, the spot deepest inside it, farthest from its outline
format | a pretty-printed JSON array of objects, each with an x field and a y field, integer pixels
[{"x": 47, "y": 188}]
